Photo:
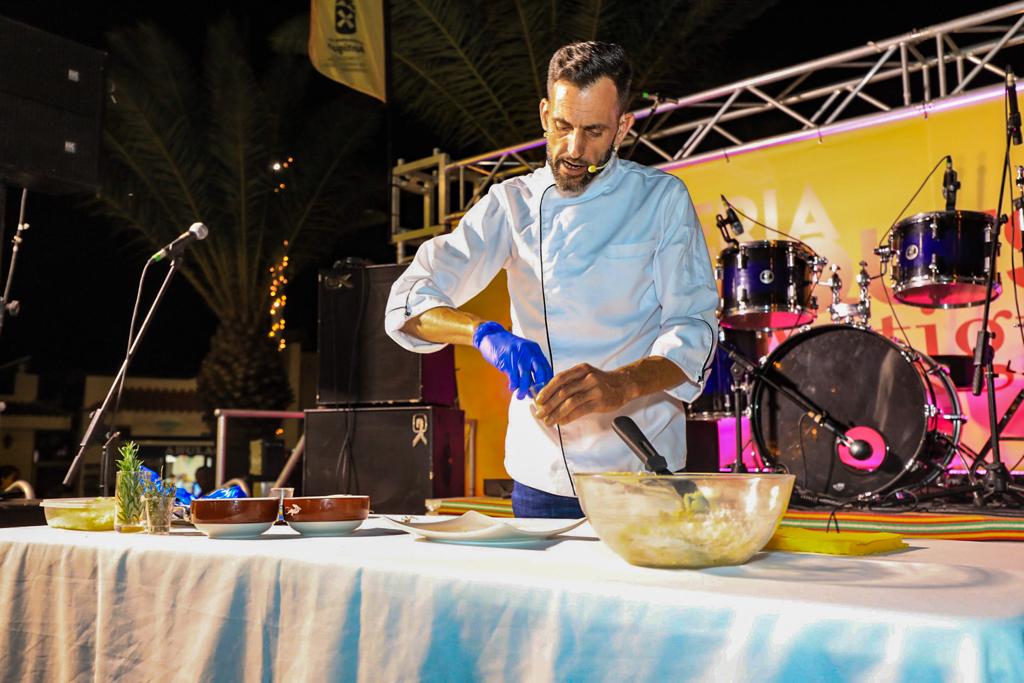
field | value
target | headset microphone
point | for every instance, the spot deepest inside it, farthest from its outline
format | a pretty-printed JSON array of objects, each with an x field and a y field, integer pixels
[{"x": 594, "y": 168}]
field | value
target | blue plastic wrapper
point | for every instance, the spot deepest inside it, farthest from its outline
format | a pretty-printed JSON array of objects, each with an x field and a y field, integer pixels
[
  {"x": 233, "y": 491},
  {"x": 184, "y": 498}
]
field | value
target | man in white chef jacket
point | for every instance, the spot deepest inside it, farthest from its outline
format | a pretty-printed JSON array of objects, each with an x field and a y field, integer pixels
[{"x": 612, "y": 293}]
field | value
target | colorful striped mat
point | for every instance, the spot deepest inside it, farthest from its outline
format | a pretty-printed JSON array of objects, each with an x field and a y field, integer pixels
[
  {"x": 966, "y": 527},
  {"x": 916, "y": 524}
]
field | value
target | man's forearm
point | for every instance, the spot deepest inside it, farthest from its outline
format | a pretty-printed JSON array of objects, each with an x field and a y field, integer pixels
[
  {"x": 649, "y": 375},
  {"x": 584, "y": 389},
  {"x": 444, "y": 325}
]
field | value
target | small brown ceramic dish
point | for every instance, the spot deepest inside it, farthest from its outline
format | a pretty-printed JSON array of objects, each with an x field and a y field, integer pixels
[
  {"x": 234, "y": 517},
  {"x": 326, "y": 515}
]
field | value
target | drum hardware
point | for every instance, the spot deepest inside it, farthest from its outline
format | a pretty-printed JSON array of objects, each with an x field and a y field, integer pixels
[
  {"x": 858, "y": 314},
  {"x": 885, "y": 255}
]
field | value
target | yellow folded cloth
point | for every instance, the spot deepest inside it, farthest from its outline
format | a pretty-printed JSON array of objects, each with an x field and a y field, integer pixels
[{"x": 797, "y": 540}]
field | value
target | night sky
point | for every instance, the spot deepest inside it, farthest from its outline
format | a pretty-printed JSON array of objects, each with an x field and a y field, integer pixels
[{"x": 76, "y": 279}]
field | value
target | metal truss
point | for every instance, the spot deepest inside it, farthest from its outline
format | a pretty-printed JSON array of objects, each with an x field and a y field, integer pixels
[{"x": 918, "y": 68}]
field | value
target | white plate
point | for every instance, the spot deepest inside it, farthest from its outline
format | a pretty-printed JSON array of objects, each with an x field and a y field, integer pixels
[
  {"x": 474, "y": 527},
  {"x": 326, "y": 528},
  {"x": 234, "y": 530}
]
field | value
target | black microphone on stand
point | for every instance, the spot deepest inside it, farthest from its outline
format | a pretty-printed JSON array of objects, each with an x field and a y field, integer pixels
[
  {"x": 980, "y": 352},
  {"x": 731, "y": 217},
  {"x": 1013, "y": 120},
  {"x": 859, "y": 449},
  {"x": 197, "y": 231},
  {"x": 950, "y": 185}
]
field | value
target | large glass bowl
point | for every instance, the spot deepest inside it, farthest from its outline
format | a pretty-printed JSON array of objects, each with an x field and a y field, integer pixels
[
  {"x": 663, "y": 521},
  {"x": 81, "y": 514}
]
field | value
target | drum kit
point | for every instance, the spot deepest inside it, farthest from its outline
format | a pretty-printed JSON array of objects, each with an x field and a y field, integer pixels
[{"x": 856, "y": 416}]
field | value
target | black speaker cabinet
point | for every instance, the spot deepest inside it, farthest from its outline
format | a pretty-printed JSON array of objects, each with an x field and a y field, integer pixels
[
  {"x": 51, "y": 104},
  {"x": 399, "y": 456},
  {"x": 357, "y": 362}
]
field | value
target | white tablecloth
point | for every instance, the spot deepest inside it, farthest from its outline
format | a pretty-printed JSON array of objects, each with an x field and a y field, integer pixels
[{"x": 385, "y": 606}]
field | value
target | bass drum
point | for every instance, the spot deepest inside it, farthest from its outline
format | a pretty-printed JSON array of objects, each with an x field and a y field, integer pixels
[{"x": 901, "y": 402}]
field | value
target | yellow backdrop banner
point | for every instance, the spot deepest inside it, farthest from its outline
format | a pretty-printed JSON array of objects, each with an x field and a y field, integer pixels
[{"x": 839, "y": 193}]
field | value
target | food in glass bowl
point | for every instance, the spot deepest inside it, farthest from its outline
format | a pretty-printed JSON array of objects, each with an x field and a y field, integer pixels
[
  {"x": 80, "y": 514},
  {"x": 660, "y": 521}
]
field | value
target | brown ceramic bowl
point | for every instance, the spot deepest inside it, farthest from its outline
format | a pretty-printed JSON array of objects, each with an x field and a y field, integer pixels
[
  {"x": 326, "y": 508},
  {"x": 326, "y": 515},
  {"x": 234, "y": 517}
]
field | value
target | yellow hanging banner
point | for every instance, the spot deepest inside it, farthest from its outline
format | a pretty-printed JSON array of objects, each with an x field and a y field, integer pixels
[{"x": 346, "y": 43}]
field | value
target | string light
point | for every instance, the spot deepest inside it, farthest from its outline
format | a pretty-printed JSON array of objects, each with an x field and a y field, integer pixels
[
  {"x": 278, "y": 300},
  {"x": 278, "y": 271},
  {"x": 278, "y": 167}
]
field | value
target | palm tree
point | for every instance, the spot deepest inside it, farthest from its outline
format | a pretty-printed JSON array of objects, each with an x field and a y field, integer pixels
[
  {"x": 186, "y": 144},
  {"x": 473, "y": 71}
]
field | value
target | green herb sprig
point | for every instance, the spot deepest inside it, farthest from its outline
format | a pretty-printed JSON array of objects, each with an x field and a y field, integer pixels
[{"x": 129, "y": 486}]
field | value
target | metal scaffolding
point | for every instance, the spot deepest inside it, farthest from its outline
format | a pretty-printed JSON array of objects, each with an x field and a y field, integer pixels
[{"x": 908, "y": 73}]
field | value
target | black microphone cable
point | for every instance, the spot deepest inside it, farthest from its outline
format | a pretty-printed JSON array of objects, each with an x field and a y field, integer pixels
[{"x": 547, "y": 333}]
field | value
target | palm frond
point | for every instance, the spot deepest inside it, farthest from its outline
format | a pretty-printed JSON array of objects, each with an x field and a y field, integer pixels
[
  {"x": 450, "y": 70},
  {"x": 171, "y": 161}
]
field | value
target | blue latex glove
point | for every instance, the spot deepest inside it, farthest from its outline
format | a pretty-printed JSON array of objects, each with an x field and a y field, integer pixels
[{"x": 527, "y": 368}]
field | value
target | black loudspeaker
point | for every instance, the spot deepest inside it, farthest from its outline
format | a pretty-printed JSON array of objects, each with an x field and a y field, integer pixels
[
  {"x": 397, "y": 456},
  {"x": 357, "y": 362},
  {"x": 51, "y": 106}
]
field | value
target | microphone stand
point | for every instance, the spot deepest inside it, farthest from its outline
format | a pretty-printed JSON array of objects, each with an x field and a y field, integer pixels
[
  {"x": 818, "y": 415},
  {"x": 997, "y": 481},
  {"x": 739, "y": 394},
  {"x": 8, "y": 307},
  {"x": 97, "y": 415}
]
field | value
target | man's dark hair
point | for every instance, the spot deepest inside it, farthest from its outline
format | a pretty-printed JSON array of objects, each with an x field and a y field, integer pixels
[{"x": 583, "y": 64}]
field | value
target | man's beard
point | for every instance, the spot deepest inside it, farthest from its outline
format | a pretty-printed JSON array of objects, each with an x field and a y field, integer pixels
[{"x": 575, "y": 184}]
